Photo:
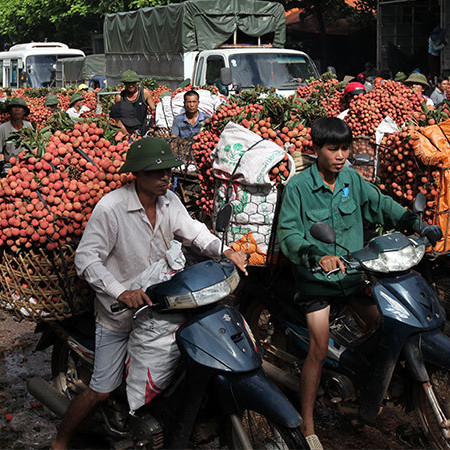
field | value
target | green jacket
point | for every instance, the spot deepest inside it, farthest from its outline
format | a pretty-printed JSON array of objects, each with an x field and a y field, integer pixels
[{"x": 307, "y": 199}]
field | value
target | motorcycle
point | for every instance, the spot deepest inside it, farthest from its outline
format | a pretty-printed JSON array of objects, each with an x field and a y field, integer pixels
[
  {"x": 219, "y": 389},
  {"x": 406, "y": 359}
]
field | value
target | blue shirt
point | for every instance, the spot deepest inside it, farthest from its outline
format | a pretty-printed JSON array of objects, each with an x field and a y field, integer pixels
[{"x": 182, "y": 128}]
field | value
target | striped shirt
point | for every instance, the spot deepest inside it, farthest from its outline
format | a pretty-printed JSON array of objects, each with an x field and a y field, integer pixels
[{"x": 119, "y": 243}]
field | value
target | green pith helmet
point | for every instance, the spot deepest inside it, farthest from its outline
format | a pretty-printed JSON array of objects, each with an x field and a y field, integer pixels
[
  {"x": 149, "y": 154},
  {"x": 417, "y": 78},
  {"x": 75, "y": 97},
  {"x": 129, "y": 76},
  {"x": 400, "y": 76},
  {"x": 51, "y": 100},
  {"x": 15, "y": 101}
]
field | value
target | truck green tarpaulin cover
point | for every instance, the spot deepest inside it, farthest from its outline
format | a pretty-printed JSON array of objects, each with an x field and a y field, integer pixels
[
  {"x": 83, "y": 67},
  {"x": 191, "y": 25}
]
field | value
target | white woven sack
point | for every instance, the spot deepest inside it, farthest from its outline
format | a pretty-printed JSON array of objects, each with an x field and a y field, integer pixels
[{"x": 253, "y": 156}]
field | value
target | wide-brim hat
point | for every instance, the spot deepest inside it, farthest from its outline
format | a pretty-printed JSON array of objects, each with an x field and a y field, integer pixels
[
  {"x": 15, "y": 101},
  {"x": 417, "y": 78},
  {"x": 149, "y": 154},
  {"x": 75, "y": 97},
  {"x": 129, "y": 76},
  {"x": 51, "y": 100}
]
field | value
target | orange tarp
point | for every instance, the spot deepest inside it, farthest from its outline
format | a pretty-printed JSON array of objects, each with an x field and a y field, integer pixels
[{"x": 432, "y": 146}]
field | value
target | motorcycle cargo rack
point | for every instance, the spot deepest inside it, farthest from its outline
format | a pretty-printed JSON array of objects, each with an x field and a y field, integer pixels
[{"x": 41, "y": 285}]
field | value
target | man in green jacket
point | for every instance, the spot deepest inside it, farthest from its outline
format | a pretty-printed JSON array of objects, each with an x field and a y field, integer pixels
[{"x": 330, "y": 192}]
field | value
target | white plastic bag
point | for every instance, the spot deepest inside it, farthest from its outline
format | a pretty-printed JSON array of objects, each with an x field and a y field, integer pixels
[
  {"x": 161, "y": 270},
  {"x": 387, "y": 126}
]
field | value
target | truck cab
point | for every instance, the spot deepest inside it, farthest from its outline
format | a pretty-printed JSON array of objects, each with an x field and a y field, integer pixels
[{"x": 277, "y": 68}]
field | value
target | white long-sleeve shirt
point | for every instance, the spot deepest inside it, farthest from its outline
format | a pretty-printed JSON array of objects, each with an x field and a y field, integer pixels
[{"x": 119, "y": 243}]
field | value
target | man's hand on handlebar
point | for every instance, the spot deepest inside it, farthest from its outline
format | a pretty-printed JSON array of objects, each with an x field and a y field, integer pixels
[
  {"x": 330, "y": 263},
  {"x": 134, "y": 299},
  {"x": 239, "y": 258}
]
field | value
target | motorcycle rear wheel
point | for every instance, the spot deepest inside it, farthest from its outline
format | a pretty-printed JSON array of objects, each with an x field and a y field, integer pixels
[
  {"x": 70, "y": 376},
  {"x": 440, "y": 380},
  {"x": 265, "y": 434}
]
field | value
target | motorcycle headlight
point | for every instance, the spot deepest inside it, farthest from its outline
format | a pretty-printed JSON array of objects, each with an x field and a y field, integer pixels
[
  {"x": 396, "y": 260},
  {"x": 206, "y": 296}
]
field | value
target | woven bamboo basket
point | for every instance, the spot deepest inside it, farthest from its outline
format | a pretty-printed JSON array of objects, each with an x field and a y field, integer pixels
[{"x": 40, "y": 285}]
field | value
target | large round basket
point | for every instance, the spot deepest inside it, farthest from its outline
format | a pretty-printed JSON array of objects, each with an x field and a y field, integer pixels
[{"x": 40, "y": 285}]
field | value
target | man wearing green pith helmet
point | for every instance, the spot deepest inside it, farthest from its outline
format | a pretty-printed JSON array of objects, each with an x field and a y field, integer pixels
[
  {"x": 17, "y": 109},
  {"x": 138, "y": 96},
  {"x": 129, "y": 230}
]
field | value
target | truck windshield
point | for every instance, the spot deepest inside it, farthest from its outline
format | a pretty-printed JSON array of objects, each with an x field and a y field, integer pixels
[
  {"x": 41, "y": 69},
  {"x": 278, "y": 70}
]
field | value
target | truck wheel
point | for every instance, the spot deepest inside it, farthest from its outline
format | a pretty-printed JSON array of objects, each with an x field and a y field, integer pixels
[
  {"x": 440, "y": 380},
  {"x": 70, "y": 374},
  {"x": 262, "y": 433}
]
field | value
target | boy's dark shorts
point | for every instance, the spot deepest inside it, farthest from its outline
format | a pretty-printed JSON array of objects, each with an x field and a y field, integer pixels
[{"x": 312, "y": 303}]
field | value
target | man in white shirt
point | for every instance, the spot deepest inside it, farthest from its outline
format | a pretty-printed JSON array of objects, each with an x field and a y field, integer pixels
[
  {"x": 76, "y": 106},
  {"x": 125, "y": 234},
  {"x": 439, "y": 95},
  {"x": 18, "y": 110}
]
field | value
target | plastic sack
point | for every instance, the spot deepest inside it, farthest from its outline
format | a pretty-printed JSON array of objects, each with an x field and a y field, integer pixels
[
  {"x": 153, "y": 356},
  {"x": 253, "y": 156}
]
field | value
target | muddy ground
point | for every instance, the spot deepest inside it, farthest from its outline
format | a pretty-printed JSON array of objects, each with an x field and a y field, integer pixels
[{"x": 25, "y": 424}]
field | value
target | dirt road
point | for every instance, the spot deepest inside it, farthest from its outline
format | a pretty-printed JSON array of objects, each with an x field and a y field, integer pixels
[{"x": 25, "y": 424}]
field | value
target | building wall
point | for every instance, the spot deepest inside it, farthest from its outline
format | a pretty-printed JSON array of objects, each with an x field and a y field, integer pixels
[
  {"x": 403, "y": 27},
  {"x": 445, "y": 23}
]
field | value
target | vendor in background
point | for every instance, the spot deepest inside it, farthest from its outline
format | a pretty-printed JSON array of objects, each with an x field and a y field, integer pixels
[
  {"x": 439, "y": 95},
  {"x": 51, "y": 102},
  {"x": 351, "y": 91},
  {"x": 188, "y": 124},
  {"x": 83, "y": 88},
  {"x": 138, "y": 97},
  {"x": 436, "y": 43},
  {"x": 418, "y": 83},
  {"x": 400, "y": 77},
  {"x": 123, "y": 116},
  {"x": 18, "y": 110},
  {"x": 76, "y": 106}
]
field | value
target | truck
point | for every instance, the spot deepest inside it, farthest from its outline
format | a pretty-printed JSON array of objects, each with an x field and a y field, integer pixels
[
  {"x": 196, "y": 39},
  {"x": 33, "y": 64},
  {"x": 89, "y": 70}
]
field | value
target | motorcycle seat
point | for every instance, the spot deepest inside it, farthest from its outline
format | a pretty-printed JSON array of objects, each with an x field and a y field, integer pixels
[{"x": 82, "y": 329}]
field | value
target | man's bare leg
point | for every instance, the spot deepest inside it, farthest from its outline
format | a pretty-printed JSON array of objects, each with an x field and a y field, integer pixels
[
  {"x": 318, "y": 328},
  {"x": 78, "y": 410}
]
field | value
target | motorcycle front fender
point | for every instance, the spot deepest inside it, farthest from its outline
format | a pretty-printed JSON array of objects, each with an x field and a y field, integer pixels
[
  {"x": 254, "y": 391},
  {"x": 435, "y": 346}
]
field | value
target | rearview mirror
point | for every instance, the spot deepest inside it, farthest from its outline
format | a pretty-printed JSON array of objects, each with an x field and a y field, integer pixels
[
  {"x": 223, "y": 217},
  {"x": 419, "y": 204},
  {"x": 225, "y": 76},
  {"x": 363, "y": 159},
  {"x": 323, "y": 232}
]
